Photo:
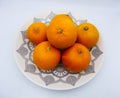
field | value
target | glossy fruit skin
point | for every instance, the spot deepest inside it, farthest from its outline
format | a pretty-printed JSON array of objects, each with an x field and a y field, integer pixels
[
  {"x": 36, "y": 32},
  {"x": 62, "y": 32},
  {"x": 76, "y": 58},
  {"x": 88, "y": 34},
  {"x": 45, "y": 56}
]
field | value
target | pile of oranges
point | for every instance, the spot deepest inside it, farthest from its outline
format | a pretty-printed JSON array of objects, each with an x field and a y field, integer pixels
[{"x": 62, "y": 41}]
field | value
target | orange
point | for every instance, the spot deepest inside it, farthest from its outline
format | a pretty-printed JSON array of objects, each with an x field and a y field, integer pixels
[
  {"x": 60, "y": 17},
  {"x": 76, "y": 58},
  {"x": 36, "y": 32},
  {"x": 45, "y": 56},
  {"x": 61, "y": 32},
  {"x": 88, "y": 34}
]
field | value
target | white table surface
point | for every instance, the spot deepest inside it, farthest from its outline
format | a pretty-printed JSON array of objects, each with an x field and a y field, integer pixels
[{"x": 105, "y": 14}]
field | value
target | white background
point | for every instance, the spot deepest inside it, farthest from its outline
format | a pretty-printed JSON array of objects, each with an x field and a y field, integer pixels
[{"x": 105, "y": 14}]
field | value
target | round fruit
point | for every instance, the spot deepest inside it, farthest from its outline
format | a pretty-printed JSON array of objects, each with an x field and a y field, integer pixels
[
  {"x": 62, "y": 32},
  {"x": 45, "y": 56},
  {"x": 60, "y": 17},
  {"x": 36, "y": 32},
  {"x": 88, "y": 34},
  {"x": 76, "y": 58}
]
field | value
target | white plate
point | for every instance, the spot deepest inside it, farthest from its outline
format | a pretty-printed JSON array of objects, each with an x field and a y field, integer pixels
[{"x": 59, "y": 78}]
